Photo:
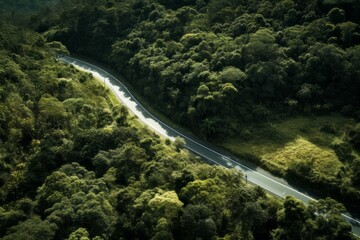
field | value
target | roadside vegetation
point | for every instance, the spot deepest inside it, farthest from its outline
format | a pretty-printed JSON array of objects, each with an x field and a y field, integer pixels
[{"x": 317, "y": 152}]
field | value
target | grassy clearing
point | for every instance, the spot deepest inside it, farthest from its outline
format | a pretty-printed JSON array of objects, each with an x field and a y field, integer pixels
[
  {"x": 323, "y": 161},
  {"x": 278, "y": 146}
]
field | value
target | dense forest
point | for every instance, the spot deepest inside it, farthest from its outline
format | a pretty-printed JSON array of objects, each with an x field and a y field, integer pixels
[
  {"x": 241, "y": 60},
  {"x": 219, "y": 67},
  {"x": 76, "y": 165}
]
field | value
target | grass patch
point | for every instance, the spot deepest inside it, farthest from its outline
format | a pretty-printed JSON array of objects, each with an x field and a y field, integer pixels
[
  {"x": 301, "y": 140},
  {"x": 323, "y": 161}
]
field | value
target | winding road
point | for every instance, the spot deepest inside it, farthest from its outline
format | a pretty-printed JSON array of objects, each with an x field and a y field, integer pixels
[{"x": 211, "y": 154}]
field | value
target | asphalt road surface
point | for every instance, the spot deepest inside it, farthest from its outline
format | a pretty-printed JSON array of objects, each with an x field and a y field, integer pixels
[{"x": 209, "y": 153}]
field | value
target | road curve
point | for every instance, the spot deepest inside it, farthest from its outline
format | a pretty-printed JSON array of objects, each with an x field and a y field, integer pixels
[{"x": 255, "y": 175}]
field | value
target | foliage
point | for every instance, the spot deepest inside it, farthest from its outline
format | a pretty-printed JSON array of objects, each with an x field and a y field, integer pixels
[{"x": 75, "y": 166}]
